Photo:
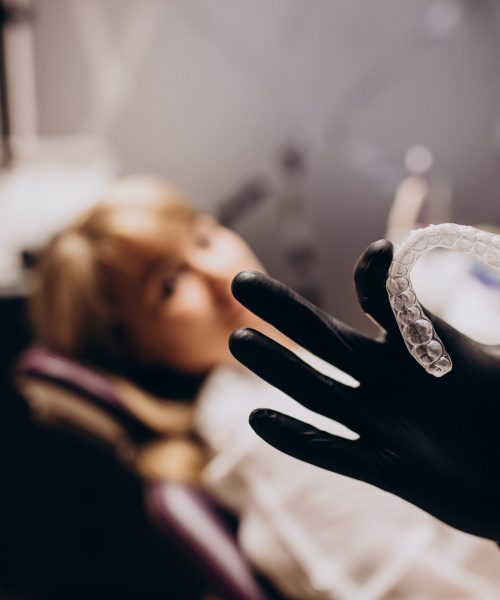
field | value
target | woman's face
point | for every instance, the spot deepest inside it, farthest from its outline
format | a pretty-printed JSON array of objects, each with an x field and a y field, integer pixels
[{"x": 185, "y": 312}]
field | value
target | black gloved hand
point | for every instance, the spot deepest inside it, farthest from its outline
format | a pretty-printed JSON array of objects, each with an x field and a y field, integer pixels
[{"x": 434, "y": 442}]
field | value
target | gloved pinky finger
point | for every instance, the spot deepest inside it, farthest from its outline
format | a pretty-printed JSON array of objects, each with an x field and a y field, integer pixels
[{"x": 314, "y": 446}]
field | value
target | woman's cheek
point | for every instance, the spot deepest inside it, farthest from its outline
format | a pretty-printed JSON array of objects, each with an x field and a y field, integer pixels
[{"x": 190, "y": 302}]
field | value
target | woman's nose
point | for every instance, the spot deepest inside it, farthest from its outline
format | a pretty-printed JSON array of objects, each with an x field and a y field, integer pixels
[{"x": 215, "y": 275}]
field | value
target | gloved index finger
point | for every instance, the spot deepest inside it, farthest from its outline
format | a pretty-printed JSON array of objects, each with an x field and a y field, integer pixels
[{"x": 305, "y": 323}]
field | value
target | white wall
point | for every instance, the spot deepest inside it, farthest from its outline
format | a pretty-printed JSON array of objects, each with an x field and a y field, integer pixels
[{"x": 206, "y": 92}]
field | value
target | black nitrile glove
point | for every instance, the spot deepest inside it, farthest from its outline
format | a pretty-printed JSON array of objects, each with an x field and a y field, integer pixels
[{"x": 434, "y": 442}]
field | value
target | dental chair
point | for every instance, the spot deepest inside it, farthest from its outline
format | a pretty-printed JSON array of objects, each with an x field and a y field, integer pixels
[{"x": 197, "y": 532}]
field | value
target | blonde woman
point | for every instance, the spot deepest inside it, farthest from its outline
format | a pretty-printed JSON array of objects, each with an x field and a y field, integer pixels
[{"x": 140, "y": 287}]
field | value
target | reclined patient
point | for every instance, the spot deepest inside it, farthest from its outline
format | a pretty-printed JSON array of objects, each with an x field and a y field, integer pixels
[{"x": 139, "y": 288}]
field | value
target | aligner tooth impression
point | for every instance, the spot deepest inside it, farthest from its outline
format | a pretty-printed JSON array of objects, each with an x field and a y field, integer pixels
[{"x": 416, "y": 328}]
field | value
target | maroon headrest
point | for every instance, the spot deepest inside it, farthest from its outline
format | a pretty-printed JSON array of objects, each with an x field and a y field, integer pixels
[
  {"x": 191, "y": 521},
  {"x": 41, "y": 363},
  {"x": 185, "y": 514}
]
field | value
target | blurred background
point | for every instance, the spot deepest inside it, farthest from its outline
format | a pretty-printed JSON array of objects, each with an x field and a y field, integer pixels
[
  {"x": 215, "y": 95},
  {"x": 303, "y": 125}
]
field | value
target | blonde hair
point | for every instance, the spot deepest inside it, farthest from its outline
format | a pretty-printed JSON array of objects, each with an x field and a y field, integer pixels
[{"x": 82, "y": 274}]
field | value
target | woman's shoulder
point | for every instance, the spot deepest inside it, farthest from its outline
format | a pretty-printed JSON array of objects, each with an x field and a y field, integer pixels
[{"x": 231, "y": 393}]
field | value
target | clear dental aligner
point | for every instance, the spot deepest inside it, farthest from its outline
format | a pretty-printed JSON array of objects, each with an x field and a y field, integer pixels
[{"x": 416, "y": 328}]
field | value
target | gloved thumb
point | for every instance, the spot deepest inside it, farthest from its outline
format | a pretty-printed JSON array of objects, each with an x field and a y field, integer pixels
[{"x": 370, "y": 276}]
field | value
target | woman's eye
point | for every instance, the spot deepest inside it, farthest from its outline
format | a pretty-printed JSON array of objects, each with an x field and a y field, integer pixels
[
  {"x": 168, "y": 285},
  {"x": 203, "y": 239},
  {"x": 203, "y": 234}
]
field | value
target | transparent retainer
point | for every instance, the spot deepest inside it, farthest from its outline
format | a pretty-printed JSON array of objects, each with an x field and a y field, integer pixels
[{"x": 416, "y": 328}]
